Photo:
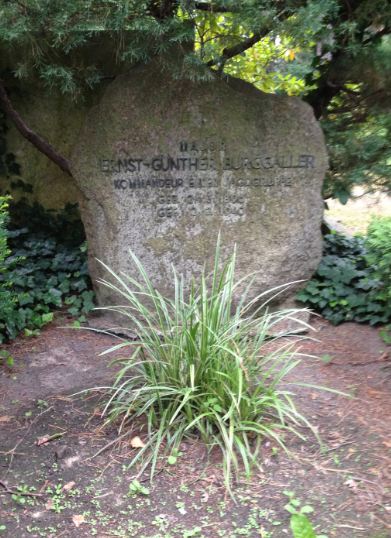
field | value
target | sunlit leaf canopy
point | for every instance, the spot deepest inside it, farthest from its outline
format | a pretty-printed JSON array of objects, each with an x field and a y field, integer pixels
[
  {"x": 335, "y": 54},
  {"x": 46, "y": 37},
  {"x": 292, "y": 37}
]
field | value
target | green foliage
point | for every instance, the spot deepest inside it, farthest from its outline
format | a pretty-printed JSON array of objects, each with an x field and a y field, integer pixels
[
  {"x": 201, "y": 367},
  {"x": 358, "y": 139},
  {"x": 23, "y": 495},
  {"x": 8, "y": 164},
  {"x": 357, "y": 121},
  {"x": 173, "y": 457},
  {"x": 6, "y": 358},
  {"x": 378, "y": 256},
  {"x": 346, "y": 287},
  {"x": 311, "y": 47},
  {"x": 136, "y": 488},
  {"x": 56, "y": 42},
  {"x": 4, "y": 250},
  {"x": 63, "y": 226},
  {"x": 279, "y": 62},
  {"x": 385, "y": 334},
  {"x": 44, "y": 274},
  {"x": 7, "y": 296},
  {"x": 301, "y": 526}
]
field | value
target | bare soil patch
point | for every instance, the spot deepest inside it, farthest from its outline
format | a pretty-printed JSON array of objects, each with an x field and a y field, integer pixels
[{"x": 347, "y": 482}]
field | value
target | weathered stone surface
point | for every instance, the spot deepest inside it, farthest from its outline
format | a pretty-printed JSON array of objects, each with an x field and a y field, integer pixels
[
  {"x": 57, "y": 118},
  {"x": 58, "y": 121},
  {"x": 165, "y": 165}
]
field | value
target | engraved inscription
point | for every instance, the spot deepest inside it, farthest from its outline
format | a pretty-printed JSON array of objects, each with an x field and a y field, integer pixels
[{"x": 204, "y": 178}]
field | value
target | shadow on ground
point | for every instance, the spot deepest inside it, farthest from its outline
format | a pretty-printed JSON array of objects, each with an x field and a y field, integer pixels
[{"x": 347, "y": 483}]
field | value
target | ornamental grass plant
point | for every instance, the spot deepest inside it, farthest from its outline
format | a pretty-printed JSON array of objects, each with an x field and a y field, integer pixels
[{"x": 205, "y": 366}]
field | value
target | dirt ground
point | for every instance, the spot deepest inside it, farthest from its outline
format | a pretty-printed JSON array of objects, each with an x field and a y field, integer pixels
[
  {"x": 58, "y": 489},
  {"x": 353, "y": 218}
]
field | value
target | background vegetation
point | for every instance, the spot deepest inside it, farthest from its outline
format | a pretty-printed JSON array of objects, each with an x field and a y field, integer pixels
[
  {"x": 41, "y": 270},
  {"x": 353, "y": 280},
  {"x": 335, "y": 54}
]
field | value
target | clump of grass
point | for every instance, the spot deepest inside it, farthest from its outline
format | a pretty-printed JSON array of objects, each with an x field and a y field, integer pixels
[{"x": 201, "y": 367}]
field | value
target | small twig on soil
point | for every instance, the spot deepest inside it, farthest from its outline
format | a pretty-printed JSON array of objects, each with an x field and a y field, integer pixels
[
  {"x": 351, "y": 527},
  {"x": 141, "y": 480},
  {"x": 102, "y": 471},
  {"x": 17, "y": 492},
  {"x": 55, "y": 426},
  {"x": 62, "y": 398},
  {"x": 361, "y": 479},
  {"x": 62, "y": 533},
  {"x": 104, "y": 495},
  {"x": 339, "y": 446},
  {"x": 44, "y": 440},
  {"x": 13, "y": 450},
  {"x": 106, "y": 447},
  {"x": 342, "y": 507},
  {"x": 344, "y": 416},
  {"x": 318, "y": 467},
  {"x": 44, "y": 486},
  {"x": 383, "y": 358}
]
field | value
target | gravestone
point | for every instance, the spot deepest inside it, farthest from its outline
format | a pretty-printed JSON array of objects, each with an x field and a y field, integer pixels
[{"x": 165, "y": 165}]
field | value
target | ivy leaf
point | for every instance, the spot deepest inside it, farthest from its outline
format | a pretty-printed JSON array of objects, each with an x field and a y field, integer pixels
[{"x": 301, "y": 526}]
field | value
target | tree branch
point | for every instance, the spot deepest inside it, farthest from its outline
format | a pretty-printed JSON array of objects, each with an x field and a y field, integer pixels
[
  {"x": 237, "y": 49},
  {"x": 211, "y": 8},
  {"x": 35, "y": 139},
  {"x": 162, "y": 9},
  {"x": 320, "y": 97}
]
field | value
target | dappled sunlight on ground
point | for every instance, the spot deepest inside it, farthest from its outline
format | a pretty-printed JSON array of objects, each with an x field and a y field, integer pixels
[{"x": 357, "y": 213}]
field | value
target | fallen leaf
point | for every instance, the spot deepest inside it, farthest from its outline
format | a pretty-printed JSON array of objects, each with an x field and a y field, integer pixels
[
  {"x": 5, "y": 418},
  {"x": 47, "y": 438},
  {"x": 352, "y": 484},
  {"x": 68, "y": 486},
  {"x": 42, "y": 440},
  {"x": 44, "y": 486},
  {"x": 136, "y": 442},
  {"x": 78, "y": 520},
  {"x": 49, "y": 505}
]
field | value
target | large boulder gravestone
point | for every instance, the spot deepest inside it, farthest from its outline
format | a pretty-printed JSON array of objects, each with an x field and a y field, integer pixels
[{"x": 165, "y": 165}]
